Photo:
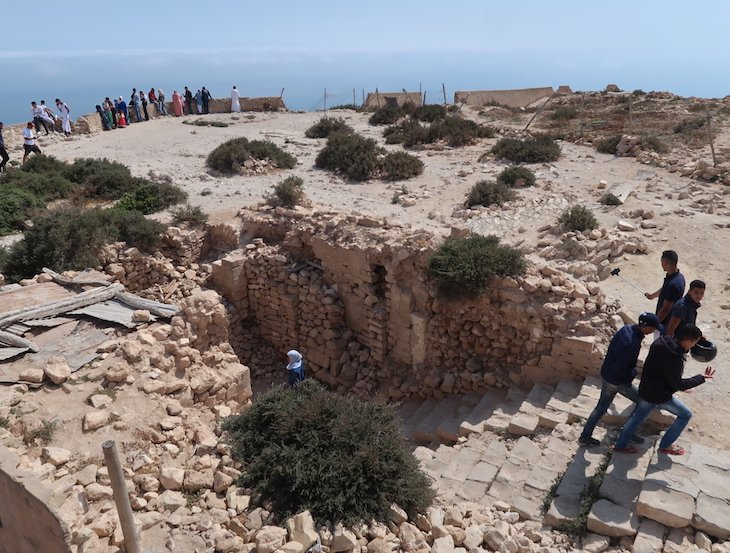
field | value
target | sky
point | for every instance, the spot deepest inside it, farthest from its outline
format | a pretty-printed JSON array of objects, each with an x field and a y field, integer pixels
[{"x": 81, "y": 53}]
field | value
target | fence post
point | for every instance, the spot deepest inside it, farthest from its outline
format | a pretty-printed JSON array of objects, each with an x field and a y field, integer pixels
[
  {"x": 354, "y": 102},
  {"x": 282, "y": 93},
  {"x": 709, "y": 132},
  {"x": 443, "y": 87},
  {"x": 121, "y": 496},
  {"x": 582, "y": 115},
  {"x": 377, "y": 95},
  {"x": 325, "y": 100}
]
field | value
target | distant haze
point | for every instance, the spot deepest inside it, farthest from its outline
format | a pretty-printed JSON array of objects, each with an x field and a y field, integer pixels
[{"x": 649, "y": 45}]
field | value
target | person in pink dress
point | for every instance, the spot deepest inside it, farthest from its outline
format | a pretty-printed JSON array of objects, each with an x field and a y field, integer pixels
[{"x": 177, "y": 103}]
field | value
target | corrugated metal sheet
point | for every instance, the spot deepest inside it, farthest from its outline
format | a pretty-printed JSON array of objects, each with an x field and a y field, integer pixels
[
  {"x": 9, "y": 353},
  {"x": 111, "y": 311},
  {"x": 48, "y": 323}
]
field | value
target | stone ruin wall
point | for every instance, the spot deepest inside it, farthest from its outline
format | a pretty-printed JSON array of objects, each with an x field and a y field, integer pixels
[
  {"x": 516, "y": 98},
  {"x": 367, "y": 320},
  {"x": 376, "y": 100}
]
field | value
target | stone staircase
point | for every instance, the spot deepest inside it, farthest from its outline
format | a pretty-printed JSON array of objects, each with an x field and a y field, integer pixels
[{"x": 516, "y": 448}]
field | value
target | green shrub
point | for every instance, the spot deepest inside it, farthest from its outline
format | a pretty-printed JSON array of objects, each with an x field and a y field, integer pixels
[
  {"x": 531, "y": 150},
  {"x": 516, "y": 176},
  {"x": 386, "y": 115},
  {"x": 564, "y": 113},
  {"x": 342, "y": 458},
  {"x": 150, "y": 197},
  {"x": 43, "y": 164},
  {"x": 230, "y": 156},
  {"x": 690, "y": 125},
  {"x": 47, "y": 186},
  {"x": 429, "y": 113},
  {"x": 655, "y": 144},
  {"x": 638, "y": 92},
  {"x": 189, "y": 215},
  {"x": 609, "y": 199},
  {"x": 99, "y": 178},
  {"x": 400, "y": 165},
  {"x": 578, "y": 218},
  {"x": 408, "y": 132},
  {"x": 287, "y": 193},
  {"x": 351, "y": 154},
  {"x": 71, "y": 238},
  {"x": 16, "y": 207},
  {"x": 327, "y": 126},
  {"x": 464, "y": 267},
  {"x": 488, "y": 193},
  {"x": 455, "y": 130},
  {"x": 353, "y": 107},
  {"x": 608, "y": 145}
]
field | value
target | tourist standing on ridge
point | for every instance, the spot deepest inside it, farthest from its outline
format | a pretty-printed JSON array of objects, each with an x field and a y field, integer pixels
[
  {"x": 152, "y": 97},
  {"x": 134, "y": 104},
  {"x": 3, "y": 152},
  {"x": 235, "y": 101},
  {"x": 660, "y": 378},
  {"x": 65, "y": 117},
  {"x": 295, "y": 368},
  {"x": 29, "y": 142},
  {"x": 199, "y": 101},
  {"x": 188, "y": 101},
  {"x": 672, "y": 288},
  {"x": 105, "y": 121},
  {"x": 685, "y": 310},
  {"x": 50, "y": 115},
  {"x": 161, "y": 100},
  {"x": 143, "y": 100},
  {"x": 206, "y": 100},
  {"x": 177, "y": 103},
  {"x": 39, "y": 117},
  {"x": 618, "y": 372},
  {"x": 121, "y": 105}
]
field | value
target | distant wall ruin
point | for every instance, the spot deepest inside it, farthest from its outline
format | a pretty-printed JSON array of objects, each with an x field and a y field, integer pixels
[
  {"x": 353, "y": 297},
  {"x": 516, "y": 98},
  {"x": 376, "y": 100},
  {"x": 28, "y": 523}
]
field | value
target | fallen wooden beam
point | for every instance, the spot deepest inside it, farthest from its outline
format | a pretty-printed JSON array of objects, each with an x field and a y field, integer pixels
[
  {"x": 17, "y": 341},
  {"x": 154, "y": 307},
  {"x": 79, "y": 280}
]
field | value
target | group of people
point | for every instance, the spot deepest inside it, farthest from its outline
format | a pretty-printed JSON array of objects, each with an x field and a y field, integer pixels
[
  {"x": 44, "y": 117},
  {"x": 115, "y": 114},
  {"x": 673, "y": 325}
]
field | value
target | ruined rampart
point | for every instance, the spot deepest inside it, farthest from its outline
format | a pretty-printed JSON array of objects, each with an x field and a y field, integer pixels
[
  {"x": 516, "y": 98},
  {"x": 353, "y": 295},
  {"x": 376, "y": 100}
]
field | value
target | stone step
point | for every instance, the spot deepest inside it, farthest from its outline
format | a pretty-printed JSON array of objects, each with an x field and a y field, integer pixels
[
  {"x": 448, "y": 429},
  {"x": 426, "y": 430},
  {"x": 527, "y": 419},
  {"x": 474, "y": 421},
  {"x": 502, "y": 415},
  {"x": 410, "y": 424},
  {"x": 557, "y": 410},
  {"x": 583, "y": 404}
]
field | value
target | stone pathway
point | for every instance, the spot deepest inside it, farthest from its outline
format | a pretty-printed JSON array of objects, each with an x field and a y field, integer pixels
[{"x": 517, "y": 448}]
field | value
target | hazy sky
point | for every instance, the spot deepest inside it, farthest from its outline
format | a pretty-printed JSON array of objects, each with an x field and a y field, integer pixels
[{"x": 82, "y": 53}]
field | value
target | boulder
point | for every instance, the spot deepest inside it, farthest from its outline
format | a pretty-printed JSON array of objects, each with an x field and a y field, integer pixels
[
  {"x": 269, "y": 539},
  {"x": 171, "y": 500},
  {"x": 57, "y": 370},
  {"x": 95, "y": 420},
  {"x": 172, "y": 478},
  {"x": 343, "y": 540},
  {"x": 443, "y": 545},
  {"x": 301, "y": 529},
  {"x": 57, "y": 456},
  {"x": 96, "y": 492}
]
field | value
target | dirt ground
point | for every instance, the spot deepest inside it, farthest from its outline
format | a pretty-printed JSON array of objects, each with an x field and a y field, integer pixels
[{"x": 170, "y": 147}]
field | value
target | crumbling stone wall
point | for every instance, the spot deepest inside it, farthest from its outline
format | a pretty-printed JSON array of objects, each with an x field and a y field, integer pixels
[
  {"x": 516, "y": 98},
  {"x": 376, "y": 100},
  {"x": 353, "y": 296}
]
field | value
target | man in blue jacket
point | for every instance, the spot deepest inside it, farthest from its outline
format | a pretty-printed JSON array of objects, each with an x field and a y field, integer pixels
[
  {"x": 618, "y": 372},
  {"x": 661, "y": 377},
  {"x": 685, "y": 310}
]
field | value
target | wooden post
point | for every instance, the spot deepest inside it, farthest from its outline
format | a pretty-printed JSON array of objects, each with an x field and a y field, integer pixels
[
  {"x": 420, "y": 93},
  {"x": 582, "y": 114},
  {"x": 538, "y": 112},
  {"x": 377, "y": 96},
  {"x": 631, "y": 115},
  {"x": 363, "y": 97},
  {"x": 354, "y": 102},
  {"x": 282, "y": 93},
  {"x": 709, "y": 132},
  {"x": 121, "y": 497},
  {"x": 325, "y": 99},
  {"x": 443, "y": 87},
  {"x": 424, "y": 97}
]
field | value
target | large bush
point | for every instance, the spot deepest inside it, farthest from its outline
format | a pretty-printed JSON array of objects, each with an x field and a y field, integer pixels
[
  {"x": 46, "y": 186},
  {"x": 400, "y": 166},
  {"x": 71, "y": 238},
  {"x": 230, "y": 156},
  {"x": 99, "y": 178},
  {"x": 150, "y": 197},
  {"x": 454, "y": 130},
  {"x": 578, "y": 218},
  {"x": 327, "y": 126},
  {"x": 351, "y": 154},
  {"x": 539, "y": 149},
  {"x": 564, "y": 113},
  {"x": 464, "y": 267},
  {"x": 287, "y": 193},
  {"x": 517, "y": 176},
  {"x": 387, "y": 115},
  {"x": 429, "y": 113},
  {"x": 608, "y": 144},
  {"x": 192, "y": 216},
  {"x": 489, "y": 193},
  {"x": 16, "y": 207},
  {"x": 342, "y": 458}
]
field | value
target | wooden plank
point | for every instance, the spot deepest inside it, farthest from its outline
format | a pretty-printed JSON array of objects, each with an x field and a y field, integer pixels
[
  {"x": 165, "y": 310},
  {"x": 25, "y": 297},
  {"x": 93, "y": 278}
]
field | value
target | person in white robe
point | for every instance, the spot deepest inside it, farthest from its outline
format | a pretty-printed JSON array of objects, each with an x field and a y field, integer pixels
[
  {"x": 235, "y": 101},
  {"x": 65, "y": 116}
]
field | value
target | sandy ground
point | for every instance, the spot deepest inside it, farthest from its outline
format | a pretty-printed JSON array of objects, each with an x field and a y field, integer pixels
[{"x": 169, "y": 147}]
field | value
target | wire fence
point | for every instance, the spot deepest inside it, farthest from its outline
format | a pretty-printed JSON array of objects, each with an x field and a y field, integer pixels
[{"x": 356, "y": 98}]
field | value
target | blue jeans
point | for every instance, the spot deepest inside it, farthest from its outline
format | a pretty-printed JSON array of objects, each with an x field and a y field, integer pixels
[
  {"x": 137, "y": 113},
  {"x": 644, "y": 409},
  {"x": 608, "y": 392}
]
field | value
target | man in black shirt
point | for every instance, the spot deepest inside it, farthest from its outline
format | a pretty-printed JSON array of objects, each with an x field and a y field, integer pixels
[{"x": 672, "y": 288}]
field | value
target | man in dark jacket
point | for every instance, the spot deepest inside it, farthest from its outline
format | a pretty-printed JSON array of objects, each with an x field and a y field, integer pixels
[
  {"x": 661, "y": 377},
  {"x": 618, "y": 372},
  {"x": 685, "y": 310},
  {"x": 672, "y": 287},
  {"x": 188, "y": 101}
]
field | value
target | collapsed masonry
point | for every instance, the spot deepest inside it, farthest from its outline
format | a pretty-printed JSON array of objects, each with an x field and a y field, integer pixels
[{"x": 352, "y": 294}]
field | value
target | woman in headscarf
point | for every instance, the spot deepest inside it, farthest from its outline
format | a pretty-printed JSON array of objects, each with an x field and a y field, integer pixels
[
  {"x": 295, "y": 368},
  {"x": 177, "y": 103},
  {"x": 199, "y": 101},
  {"x": 161, "y": 100}
]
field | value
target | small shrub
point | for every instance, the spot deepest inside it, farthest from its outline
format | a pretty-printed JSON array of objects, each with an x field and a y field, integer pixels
[
  {"x": 455, "y": 130},
  {"x": 488, "y": 193},
  {"x": 655, "y": 144},
  {"x": 386, "y": 115},
  {"x": 409, "y": 133},
  {"x": 204, "y": 123},
  {"x": 341, "y": 457},
  {"x": 609, "y": 199},
  {"x": 400, "y": 165},
  {"x": 353, "y": 107},
  {"x": 464, "y": 267},
  {"x": 638, "y": 92},
  {"x": 608, "y": 145},
  {"x": 351, "y": 154},
  {"x": 71, "y": 238},
  {"x": 516, "y": 176},
  {"x": 327, "y": 126},
  {"x": 690, "y": 125},
  {"x": 578, "y": 218},
  {"x": 230, "y": 156},
  {"x": 287, "y": 193},
  {"x": 564, "y": 113},
  {"x": 43, "y": 434},
  {"x": 532, "y": 150},
  {"x": 16, "y": 207},
  {"x": 43, "y": 164},
  {"x": 150, "y": 197},
  {"x": 429, "y": 113},
  {"x": 189, "y": 215},
  {"x": 99, "y": 178}
]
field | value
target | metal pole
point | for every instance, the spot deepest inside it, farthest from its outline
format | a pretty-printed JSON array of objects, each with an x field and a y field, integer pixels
[
  {"x": 121, "y": 496},
  {"x": 443, "y": 87},
  {"x": 709, "y": 132},
  {"x": 282, "y": 93},
  {"x": 538, "y": 112},
  {"x": 325, "y": 99},
  {"x": 354, "y": 103}
]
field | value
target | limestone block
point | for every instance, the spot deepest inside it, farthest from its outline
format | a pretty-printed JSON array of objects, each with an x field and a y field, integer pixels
[
  {"x": 712, "y": 515},
  {"x": 669, "y": 507},
  {"x": 57, "y": 456},
  {"x": 34, "y": 376},
  {"x": 609, "y": 519},
  {"x": 172, "y": 478},
  {"x": 95, "y": 420},
  {"x": 650, "y": 537},
  {"x": 343, "y": 540},
  {"x": 269, "y": 539},
  {"x": 443, "y": 545},
  {"x": 96, "y": 492},
  {"x": 301, "y": 529},
  {"x": 57, "y": 370}
]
